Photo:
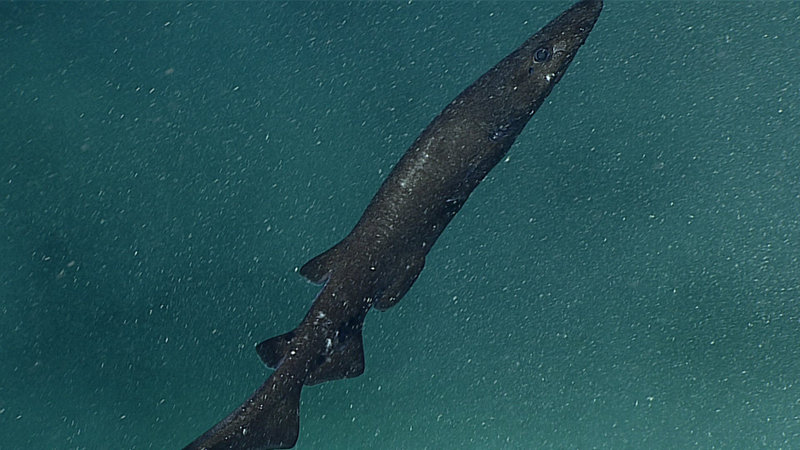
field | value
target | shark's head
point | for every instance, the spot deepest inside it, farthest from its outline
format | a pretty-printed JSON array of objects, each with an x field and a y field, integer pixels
[
  {"x": 547, "y": 54},
  {"x": 518, "y": 84}
]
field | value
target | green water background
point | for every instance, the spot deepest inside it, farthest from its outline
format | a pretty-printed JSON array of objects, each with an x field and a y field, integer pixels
[{"x": 628, "y": 278}]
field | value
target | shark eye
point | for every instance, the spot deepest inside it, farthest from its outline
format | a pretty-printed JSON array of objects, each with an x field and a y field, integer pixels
[{"x": 542, "y": 54}]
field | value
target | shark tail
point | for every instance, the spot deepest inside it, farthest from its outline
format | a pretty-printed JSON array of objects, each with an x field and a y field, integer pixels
[{"x": 269, "y": 419}]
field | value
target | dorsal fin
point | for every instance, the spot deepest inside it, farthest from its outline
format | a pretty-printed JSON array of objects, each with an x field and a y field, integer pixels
[
  {"x": 273, "y": 350},
  {"x": 318, "y": 269}
]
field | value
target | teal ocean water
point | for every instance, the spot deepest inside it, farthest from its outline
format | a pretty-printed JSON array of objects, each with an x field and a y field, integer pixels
[{"x": 628, "y": 278}]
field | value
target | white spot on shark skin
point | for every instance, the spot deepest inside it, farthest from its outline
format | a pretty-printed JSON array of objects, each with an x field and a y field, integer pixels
[
  {"x": 328, "y": 344},
  {"x": 320, "y": 316},
  {"x": 418, "y": 164},
  {"x": 548, "y": 77}
]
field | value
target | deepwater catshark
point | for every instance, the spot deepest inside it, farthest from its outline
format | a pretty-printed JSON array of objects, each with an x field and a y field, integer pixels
[{"x": 379, "y": 260}]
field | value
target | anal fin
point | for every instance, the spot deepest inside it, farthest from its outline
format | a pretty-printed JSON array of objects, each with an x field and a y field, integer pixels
[{"x": 343, "y": 358}]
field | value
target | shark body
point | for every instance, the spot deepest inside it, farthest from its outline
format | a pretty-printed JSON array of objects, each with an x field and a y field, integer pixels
[{"x": 379, "y": 260}]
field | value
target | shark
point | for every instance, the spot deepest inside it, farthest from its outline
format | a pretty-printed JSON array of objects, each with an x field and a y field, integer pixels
[{"x": 379, "y": 260}]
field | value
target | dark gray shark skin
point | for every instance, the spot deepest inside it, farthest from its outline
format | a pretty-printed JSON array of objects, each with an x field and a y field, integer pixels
[{"x": 376, "y": 264}]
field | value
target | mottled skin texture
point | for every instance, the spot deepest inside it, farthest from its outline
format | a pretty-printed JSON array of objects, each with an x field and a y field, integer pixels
[{"x": 379, "y": 260}]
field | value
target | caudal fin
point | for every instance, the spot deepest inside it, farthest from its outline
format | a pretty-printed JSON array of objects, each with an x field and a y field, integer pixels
[{"x": 269, "y": 419}]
